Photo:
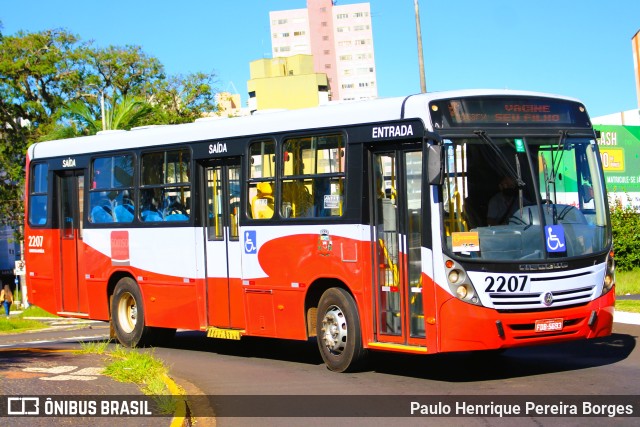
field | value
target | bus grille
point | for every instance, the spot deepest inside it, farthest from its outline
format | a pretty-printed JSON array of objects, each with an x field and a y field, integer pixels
[{"x": 536, "y": 300}]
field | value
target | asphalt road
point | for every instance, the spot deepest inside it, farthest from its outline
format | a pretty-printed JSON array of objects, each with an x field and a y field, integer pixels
[{"x": 267, "y": 378}]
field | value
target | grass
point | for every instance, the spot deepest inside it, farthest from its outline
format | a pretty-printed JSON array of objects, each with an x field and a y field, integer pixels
[
  {"x": 18, "y": 324},
  {"x": 93, "y": 347},
  {"x": 629, "y": 306},
  {"x": 628, "y": 282},
  {"x": 34, "y": 311},
  {"x": 138, "y": 367}
]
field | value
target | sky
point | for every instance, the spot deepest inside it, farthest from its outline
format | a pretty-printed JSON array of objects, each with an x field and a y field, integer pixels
[{"x": 578, "y": 48}]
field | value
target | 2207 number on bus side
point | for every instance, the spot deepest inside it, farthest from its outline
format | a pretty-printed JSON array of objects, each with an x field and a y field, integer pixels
[
  {"x": 36, "y": 241},
  {"x": 505, "y": 283}
]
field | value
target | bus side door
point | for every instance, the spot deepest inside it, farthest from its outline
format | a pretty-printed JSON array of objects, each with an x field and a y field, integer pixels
[
  {"x": 397, "y": 229},
  {"x": 70, "y": 213},
  {"x": 224, "y": 298}
]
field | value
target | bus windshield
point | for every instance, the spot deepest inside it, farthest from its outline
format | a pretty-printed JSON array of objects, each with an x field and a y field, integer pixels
[{"x": 523, "y": 198}]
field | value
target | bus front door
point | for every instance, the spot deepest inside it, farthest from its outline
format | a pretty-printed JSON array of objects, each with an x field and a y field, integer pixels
[
  {"x": 70, "y": 213},
  {"x": 397, "y": 229},
  {"x": 224, "y": 290}
]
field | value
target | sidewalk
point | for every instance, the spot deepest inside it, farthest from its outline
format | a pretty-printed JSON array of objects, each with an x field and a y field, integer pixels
[
  {"x": 626, "y": 317},
  {"x": 31, "y": 380}
]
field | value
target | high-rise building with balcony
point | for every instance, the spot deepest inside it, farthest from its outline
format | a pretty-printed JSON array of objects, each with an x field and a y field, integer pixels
[{"x": 340, "y": 38}]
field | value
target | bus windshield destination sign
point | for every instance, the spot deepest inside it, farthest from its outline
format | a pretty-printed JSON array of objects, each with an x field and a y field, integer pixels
[{"x": 501, "y": 112}]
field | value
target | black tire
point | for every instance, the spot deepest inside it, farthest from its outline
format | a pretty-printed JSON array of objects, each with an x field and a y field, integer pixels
[
  {"x": 338, "y": 331},
  {"x": 127, "y": 314}
]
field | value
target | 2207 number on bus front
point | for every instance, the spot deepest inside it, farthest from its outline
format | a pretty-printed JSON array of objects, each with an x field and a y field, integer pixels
[{"x": 505, "y": 283}]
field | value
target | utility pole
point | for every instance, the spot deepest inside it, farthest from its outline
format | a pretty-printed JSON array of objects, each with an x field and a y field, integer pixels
[
  {"x": 423, "y": 82},
  {"x": 104, "y": 119}
]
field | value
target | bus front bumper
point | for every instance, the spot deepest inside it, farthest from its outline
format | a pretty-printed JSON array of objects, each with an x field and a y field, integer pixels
[{"x": 465, "y": 327}]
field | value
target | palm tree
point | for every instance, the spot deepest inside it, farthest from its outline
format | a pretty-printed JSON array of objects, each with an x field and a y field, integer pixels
[{"x": 124, "y": 113}]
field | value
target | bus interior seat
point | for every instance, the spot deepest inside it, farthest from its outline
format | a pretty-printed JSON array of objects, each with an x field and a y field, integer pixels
[
  {"x": 176, "y": 217},
  {"x": 123, "y": 213},
  {"x": 150, "y": 216},
  {"x": 262, "y": 204},
  {"x": 297, "y": 195},
  {"x": 101, "y": 215}
]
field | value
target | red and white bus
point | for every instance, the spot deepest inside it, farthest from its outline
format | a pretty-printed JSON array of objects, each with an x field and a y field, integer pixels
[{"x": 369, "y": 225}]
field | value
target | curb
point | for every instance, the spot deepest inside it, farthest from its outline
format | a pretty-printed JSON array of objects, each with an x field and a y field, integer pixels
[
  {"x": 626, "y": 317},
  {"x": 181, "y": 416}
]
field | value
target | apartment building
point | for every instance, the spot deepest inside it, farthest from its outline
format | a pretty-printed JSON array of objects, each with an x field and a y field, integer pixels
[
  {"x": 340, "y": 38},
  {"x": 288, "y": 82}
]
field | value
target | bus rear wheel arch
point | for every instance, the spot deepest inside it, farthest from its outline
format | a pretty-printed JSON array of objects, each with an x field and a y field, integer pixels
[{"x": 338, "y": 331}]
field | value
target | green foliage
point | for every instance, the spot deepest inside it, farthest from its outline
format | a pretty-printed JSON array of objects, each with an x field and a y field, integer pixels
[
  {"x": 628, "y": 282},
  {"x": 94, "y": 347},
  {"x": 625, "y": 223},
  {"x": 53, "y": 85},
  {"x": 18, "y": 324},
  {"x": 34, "y": 311},
  {"x": 628, "y": 306},
  {"x": 143, "y": 369}
]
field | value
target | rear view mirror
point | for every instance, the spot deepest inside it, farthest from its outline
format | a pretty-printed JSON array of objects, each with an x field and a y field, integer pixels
[{"x": 435, "y": 163}]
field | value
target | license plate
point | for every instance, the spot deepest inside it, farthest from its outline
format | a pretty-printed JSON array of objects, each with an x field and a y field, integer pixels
[{"x": 549, "y": 325}]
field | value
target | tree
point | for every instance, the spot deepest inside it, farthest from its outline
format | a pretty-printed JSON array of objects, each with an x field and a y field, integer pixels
[
  {"x": 182, "y": 99},
  {"x": 51, "y": 84},
  {"x": 37, "y": 71},
  {"x": 79, "y": 119}
]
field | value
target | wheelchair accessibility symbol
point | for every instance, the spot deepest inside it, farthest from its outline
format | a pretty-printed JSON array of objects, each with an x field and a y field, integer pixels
[
  {"x": 554, "y": 236},
  {"x": 250, "y": 242}
]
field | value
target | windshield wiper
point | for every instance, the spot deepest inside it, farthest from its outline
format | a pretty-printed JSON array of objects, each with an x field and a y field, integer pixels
[
  {"x": 515, "y": 175},
  {"x": 550, "y": 176}
]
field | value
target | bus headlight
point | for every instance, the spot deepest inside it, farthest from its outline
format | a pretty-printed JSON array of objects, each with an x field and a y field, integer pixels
[
  {"x": 610, "y": 274},
  {"x": 459, "y": 282},
  {"x": 462, "y": 292},
  {"x": 455, "y": 276}
]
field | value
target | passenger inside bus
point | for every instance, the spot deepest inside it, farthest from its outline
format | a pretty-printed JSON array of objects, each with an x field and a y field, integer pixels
[
  {"x": 149, "y": 211},
  {"x": 504, "y": 203},
  {"x": 296, "y": 200},
  {"x": 174, "y": 210}
]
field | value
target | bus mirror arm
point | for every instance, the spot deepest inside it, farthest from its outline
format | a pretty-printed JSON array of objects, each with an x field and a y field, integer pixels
[{"x": 435, "y": 163}]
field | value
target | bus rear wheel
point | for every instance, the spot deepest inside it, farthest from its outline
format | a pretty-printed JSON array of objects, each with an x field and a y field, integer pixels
[
  {"x": 338, "y": 331},
  {"x": 127, "y": 313}
]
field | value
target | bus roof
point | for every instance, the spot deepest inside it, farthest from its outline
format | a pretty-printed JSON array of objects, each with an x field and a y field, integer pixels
[{"x": 333, "y": 114}]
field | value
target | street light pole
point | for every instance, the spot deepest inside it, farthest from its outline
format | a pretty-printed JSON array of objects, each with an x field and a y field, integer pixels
[
  {"x": 104, "y": 119},
  {"x": 423, "y": 82}
]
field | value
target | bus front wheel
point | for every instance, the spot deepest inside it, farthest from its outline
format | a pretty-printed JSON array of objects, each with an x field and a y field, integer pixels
[
  {"x": 127, "y": 313},
  {"x": 338, "y": 331}
]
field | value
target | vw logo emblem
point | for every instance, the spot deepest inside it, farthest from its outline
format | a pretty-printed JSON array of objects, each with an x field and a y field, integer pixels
[{"x": 547, "y": 299}]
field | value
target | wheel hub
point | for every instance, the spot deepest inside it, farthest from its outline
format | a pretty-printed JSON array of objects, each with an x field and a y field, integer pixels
[{"x": 334, "y": 330}]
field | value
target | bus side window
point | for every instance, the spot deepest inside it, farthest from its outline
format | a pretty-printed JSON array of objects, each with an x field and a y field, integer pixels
[
  {"x": 261, "y": 185},
  {"x": 111, "y": 189},
  {"x": 38, "y": 194},
  {"x": 38, "y": 210}
]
